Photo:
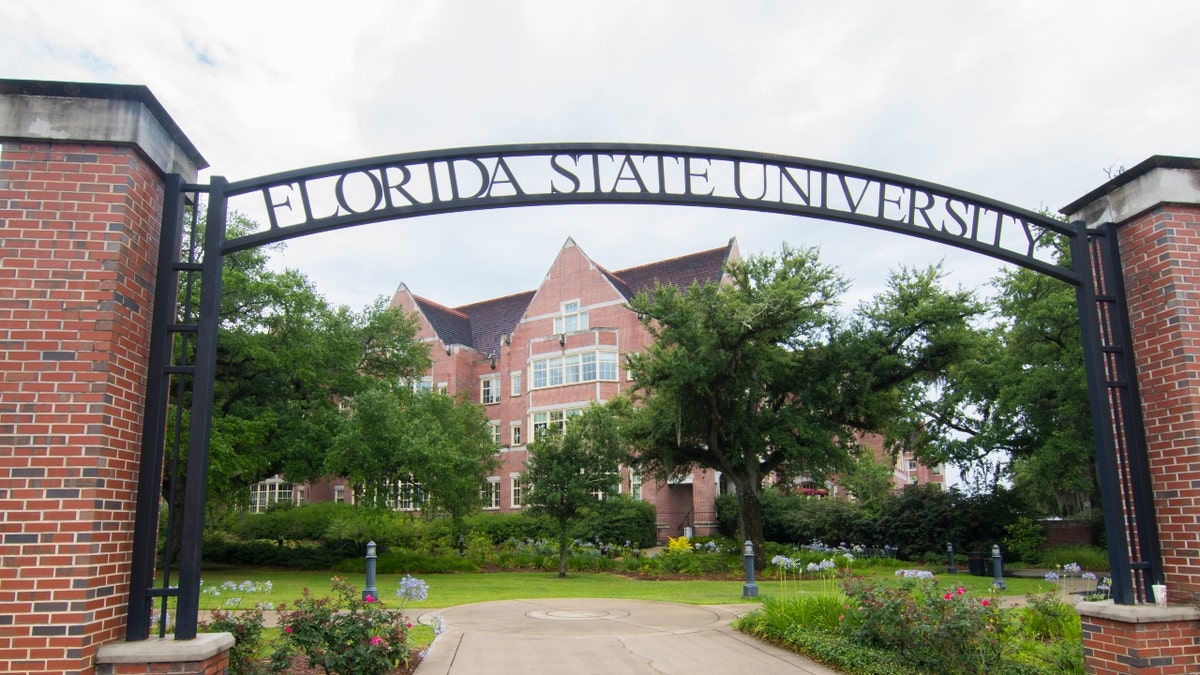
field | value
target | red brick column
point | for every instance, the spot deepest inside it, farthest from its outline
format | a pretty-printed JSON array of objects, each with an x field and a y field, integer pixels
[
  {"x": 1156, "y": 206},
  {"x": 79, "y": 223}
]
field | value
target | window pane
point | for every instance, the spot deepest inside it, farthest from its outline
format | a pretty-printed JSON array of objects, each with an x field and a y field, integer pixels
[
  {"x": 589, "y": 367},
  {"x": 571, "y": 368},
  {"x": 608, "y": 366},
  {"x": 556, "y": 374}
]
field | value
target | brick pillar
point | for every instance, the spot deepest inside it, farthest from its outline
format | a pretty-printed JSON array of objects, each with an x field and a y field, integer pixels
[
  {"x": 1156, "y": 206},
  {"x": 81, "y": 196}
]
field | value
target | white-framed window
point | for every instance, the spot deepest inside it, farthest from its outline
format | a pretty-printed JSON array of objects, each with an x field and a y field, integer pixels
[
  {"x": 545, "y": 419},
  {"x": 516, "y": 384},
  {"x": 574, "y": 368},
  {"x": 635, "y": 484},
  {"x": 515, "y": 432},
  {"x": 443, "y": 387},
  {"x": 572, "y": 319},
  {"x": 423, "y": 385},
  {"x": 514, "y": 491},
  {"x": 273, "y": 490},
  {"x": 339, "y": 494},
  {"x": 490, "y": 493},
  {"x": 409, "y": 495},
  {"x": 912, "y": 465},
  {"x": 489, "y": 390},
  {"x": 494, "y": 430}
]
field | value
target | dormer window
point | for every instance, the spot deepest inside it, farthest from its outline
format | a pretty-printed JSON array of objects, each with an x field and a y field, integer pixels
[{"x": 572, "y": 319}]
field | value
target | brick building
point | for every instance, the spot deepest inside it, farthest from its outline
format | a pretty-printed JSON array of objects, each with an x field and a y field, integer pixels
[{"x": 535, "y": 358}]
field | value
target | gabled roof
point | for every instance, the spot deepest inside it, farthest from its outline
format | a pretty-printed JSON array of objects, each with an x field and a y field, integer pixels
[
  {"x": 451, "y": 325},
  {"x": 482, "y": 325},
  {"x": 680, "y": 272}
]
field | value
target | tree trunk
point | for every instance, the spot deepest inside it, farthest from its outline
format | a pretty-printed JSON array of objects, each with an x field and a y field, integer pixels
[
  {"x": 562, "y": 549},
  {"x": 750, "y": 520}
]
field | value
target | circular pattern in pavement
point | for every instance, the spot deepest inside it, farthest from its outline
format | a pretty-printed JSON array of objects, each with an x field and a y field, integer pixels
[{"x": 565, "y": 617}]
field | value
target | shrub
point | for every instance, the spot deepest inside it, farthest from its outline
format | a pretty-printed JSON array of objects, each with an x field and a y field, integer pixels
[
  {"x": 1088, "y": 557},
  {"x": 502, "y": 527},
  {"x": 246, "y": 626},
  {"x": 617, "y": 520},
  {"x": 410, "y": 562},
  {"x": 1024, "y": 540},
  {"x": 796, "y": 519},
  {"x": 309, "y": 522},
  {"x": 938, "y": 631},
  {"x": 247, "y": 629},
  {"x": 921, "y": 519},
  {"x": 270, "y": 554},
  {"x": 343, "y": 635}
]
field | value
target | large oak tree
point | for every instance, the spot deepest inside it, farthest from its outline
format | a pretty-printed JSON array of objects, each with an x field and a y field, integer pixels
[{"x": 762, "y": 375}]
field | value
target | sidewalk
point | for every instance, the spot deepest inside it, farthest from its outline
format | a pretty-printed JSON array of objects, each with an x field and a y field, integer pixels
[{"x": 575, "y": 636}]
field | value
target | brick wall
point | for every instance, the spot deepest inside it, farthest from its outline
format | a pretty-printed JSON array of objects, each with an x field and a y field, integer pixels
[
  {"x": 1113, "y": 647},
  {"x": 1160, "y": 252},
  {"x": 78, "y": 231}
]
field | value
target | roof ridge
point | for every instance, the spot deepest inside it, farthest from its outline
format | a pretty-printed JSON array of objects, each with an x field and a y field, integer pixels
[
  {"x": 618, "y": 273},
  {"x": 439, "y": 305},
  {"x": 495, "y": 299}
]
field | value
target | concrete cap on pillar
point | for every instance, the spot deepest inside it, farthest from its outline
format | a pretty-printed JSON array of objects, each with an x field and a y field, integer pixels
[
  {"x": 80, "y": 112},
  {"x": 1161, "y": 179}
]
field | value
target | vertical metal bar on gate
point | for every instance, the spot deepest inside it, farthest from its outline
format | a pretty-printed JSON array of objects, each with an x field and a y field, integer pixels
[
  {"x": 1147, "y": 563},
  {"x": 145, "y": 527},
  {"x": 1121, "y": 463},
  {"x": 201, "y": 419}
]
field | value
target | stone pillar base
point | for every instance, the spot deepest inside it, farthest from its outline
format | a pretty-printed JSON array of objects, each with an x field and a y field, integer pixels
[
  {"x": 208, "y": 654},
  {"x": 1140, "y": 639}
]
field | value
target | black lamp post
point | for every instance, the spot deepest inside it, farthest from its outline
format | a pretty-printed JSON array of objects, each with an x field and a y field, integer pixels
[
  {"x": 750, "y": 590},
  {"x": 369, "y": 591},
  {"x": 998, "y": 568}
]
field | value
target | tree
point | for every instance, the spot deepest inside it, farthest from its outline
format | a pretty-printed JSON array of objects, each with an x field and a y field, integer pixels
[
  {"x": 761, "y": 375},
  {"x": 867, "y": 479},
  {"x": 286, "y": 363},
  {"x": 565, "y": 469},
  {"x": 438, "y": 445},
  {"x": 1026, "y": 396}
]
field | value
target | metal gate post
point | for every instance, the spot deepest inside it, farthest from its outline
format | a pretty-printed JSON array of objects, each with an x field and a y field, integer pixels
[
  {"x": 145, "y": 527},
  {"x": 201, "y": 419},
  {"x": 1126, "y": 493}
]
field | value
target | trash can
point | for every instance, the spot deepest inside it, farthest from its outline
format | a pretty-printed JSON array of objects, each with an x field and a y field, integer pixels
[{"x": 977, "y": 563}]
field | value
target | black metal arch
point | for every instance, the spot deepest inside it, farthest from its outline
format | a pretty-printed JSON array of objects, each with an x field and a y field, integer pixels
[
  {"x": 401, "y": 186},
  {"x": 307, "y": 201}
]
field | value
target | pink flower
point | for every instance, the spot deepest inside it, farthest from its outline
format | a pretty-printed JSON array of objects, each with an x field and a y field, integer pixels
[
  {"x": 961, "y": 590},
  {"x": 410, "y": 624},
  {"x": 986, "y": 602},
  {"x": 948, "y": 595},
  {"x": 287, "y": 629},
  {"x": 369, "y": 598},
  {"x": 375, "y": 639}
]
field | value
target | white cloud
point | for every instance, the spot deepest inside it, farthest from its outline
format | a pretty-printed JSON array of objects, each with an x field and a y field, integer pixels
[{"x": 1026, "y": 102}]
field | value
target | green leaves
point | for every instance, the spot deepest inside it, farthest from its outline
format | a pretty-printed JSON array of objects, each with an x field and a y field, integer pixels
[
  {"x": 566, "y": 468},
  {"x": 763, "y": 374}
]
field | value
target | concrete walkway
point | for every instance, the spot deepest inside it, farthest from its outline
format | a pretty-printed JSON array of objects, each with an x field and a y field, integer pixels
[{"x": 576, "y": 636}]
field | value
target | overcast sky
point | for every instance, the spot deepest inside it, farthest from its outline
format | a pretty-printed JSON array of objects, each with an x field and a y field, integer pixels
[{"x": 1031, "y": 103}]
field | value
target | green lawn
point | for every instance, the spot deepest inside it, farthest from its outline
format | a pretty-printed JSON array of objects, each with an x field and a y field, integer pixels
[{"x": 448, "y": 590}]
